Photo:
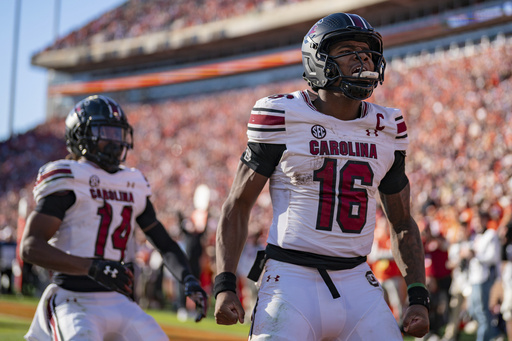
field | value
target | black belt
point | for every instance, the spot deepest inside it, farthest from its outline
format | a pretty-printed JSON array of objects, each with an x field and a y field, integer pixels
[
  {"x": 78, "y": 283},
  {"x": 82, "y": 283},
  {"x": 320, "y": 262}
]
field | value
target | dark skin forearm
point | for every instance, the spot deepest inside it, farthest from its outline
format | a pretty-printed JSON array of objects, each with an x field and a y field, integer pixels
[
  {"x": 406, "y": 241},
  {"x": 231, "y": 236},
  {"x": 233, "y": 224},
  {"x": 408, "y": 253},
  {"x": 36, "y": 250}
]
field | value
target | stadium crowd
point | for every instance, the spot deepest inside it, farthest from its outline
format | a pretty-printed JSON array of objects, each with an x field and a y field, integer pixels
[
  {"x": 138, "y": 17},
  {"x": 457, "y": 106}
]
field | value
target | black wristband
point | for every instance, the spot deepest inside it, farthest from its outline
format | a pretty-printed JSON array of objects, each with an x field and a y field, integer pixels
[
  {"x": 419, "y": 295},
  {"x": 225, "y": 281}
]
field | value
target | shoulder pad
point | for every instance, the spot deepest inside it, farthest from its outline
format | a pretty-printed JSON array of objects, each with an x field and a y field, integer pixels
[
  {"x": 53, "y": 177},
  {"x": 267, "y": 121},
  {"x": 137, "y": 176}
]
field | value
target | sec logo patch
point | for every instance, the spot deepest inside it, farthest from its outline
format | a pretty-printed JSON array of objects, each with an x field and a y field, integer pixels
[{"x": 318, "y": 131}]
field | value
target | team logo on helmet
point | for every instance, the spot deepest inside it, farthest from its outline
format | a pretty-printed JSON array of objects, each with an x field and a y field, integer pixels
[
  {"x": 311, "y": 33},
  {"x": 318, "y": 131}
]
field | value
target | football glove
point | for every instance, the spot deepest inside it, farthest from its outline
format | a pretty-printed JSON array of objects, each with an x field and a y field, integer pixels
[
  {"x": 112, "y": 275},
  {"x": 197, "y": 294}
]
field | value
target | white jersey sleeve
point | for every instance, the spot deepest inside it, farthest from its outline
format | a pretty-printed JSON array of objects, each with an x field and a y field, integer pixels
[
  {"x": 53, "y": 177},
  {"x": 402, "y": 139},
  {"x": 267, "y": 121}
]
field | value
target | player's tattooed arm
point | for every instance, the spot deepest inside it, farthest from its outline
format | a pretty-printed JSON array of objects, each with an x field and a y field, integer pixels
[{"x": 405, "y": 236}]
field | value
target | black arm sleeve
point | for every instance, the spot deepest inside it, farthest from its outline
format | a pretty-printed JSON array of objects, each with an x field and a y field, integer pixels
[
  {"x": 173, "y": 257},
  {"x": 395, "y": 179},
  {"x": 56, "y": 204},
  {"x": 263, "y": 157},
  {"x": 147, "y": 217}
]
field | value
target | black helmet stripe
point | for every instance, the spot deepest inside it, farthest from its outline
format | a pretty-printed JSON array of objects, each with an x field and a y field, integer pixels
[{"x": 112, "y": 106}]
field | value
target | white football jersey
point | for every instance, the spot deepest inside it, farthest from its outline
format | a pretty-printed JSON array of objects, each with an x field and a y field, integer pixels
[
  {"x": 101, "y": 222},
  {"x": 324, "y": 189}
]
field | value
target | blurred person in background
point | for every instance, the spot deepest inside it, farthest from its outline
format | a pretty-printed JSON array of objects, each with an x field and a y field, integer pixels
[
  {"x": 438, "y": 277},
  {"x": 386, "y": 270},
  {"x": 82, "y": 229},
  {"x": 484, "y": 264},
  {"x": 248, "y": 289},
  {"x": 460, "y": 288},
  {"x": 328, "y": 156},
  {"x": 7, "y": 257},
  {"x": 505, "y": 233},
  {"x": 192, "y": 229}
]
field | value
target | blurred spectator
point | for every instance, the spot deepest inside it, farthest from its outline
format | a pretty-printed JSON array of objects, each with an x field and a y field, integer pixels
[
  {"x": 7, "y": 257},
  {"x": 460, "y": 289},
  {"x": 438, "y": 277},
  {"x": 483, "y": 270},
  {"x": 385, "y": 268},
  {"x": 192, "y": 229},
  {"x": 248, "y": 288},
  {"x": 506, "y": 277}
]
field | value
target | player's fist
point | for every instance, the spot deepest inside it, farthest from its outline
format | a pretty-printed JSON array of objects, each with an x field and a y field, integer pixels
[
  {"x": 197, "y": 294},
  {"x": 416, "y": 322},
  {"x": 113, "y": 275},
  {"x": 228, "y": 309}
]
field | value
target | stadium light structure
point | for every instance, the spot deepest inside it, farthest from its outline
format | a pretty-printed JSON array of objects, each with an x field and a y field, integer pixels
[{"x": 14, "y": 66}]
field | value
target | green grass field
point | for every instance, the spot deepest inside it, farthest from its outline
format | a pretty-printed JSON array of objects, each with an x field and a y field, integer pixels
[{"x": 13, "y": 328}]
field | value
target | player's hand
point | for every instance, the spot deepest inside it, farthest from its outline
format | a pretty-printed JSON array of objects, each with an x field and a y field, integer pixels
[
  {"x": 197, "y": 294},
  {"x": 228, "y": 309},
  {"x": 113, "y": 275},
  {"x": 416, "y": 321}
]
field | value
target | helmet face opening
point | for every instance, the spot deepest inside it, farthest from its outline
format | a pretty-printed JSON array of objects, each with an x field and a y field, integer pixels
[
  {"x": 320, "y": 68},
  {"x": 98, "y": 130},
  {"x": 110, "y": 143}
]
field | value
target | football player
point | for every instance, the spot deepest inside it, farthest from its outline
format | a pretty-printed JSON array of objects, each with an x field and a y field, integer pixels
[
  {"x": 329, "y": 155},
  {"x": 83, "y": 230}
]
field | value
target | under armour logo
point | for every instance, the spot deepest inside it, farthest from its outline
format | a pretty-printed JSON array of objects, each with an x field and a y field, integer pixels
[
  {"x": 113, "y": 272},
  {"x": 368, "y": 132},
  {"x": 276, "y": 278}
]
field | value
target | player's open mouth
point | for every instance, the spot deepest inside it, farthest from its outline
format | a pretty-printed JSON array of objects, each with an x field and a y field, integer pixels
[{"x": 355, "y": 71}]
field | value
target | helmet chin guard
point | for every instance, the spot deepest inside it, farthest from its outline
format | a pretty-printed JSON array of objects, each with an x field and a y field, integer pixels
[
  {"x": 353, "y": 90},
  {"x": 321, "y": 70}
]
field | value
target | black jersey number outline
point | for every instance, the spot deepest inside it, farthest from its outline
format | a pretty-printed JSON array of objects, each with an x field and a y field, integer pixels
[
  {"x": 352, "y": 208},
  {"x": 120, "y": 235}
]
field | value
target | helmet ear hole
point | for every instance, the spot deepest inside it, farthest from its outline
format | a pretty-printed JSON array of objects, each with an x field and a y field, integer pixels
[{"x": 331, "y": 70}]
